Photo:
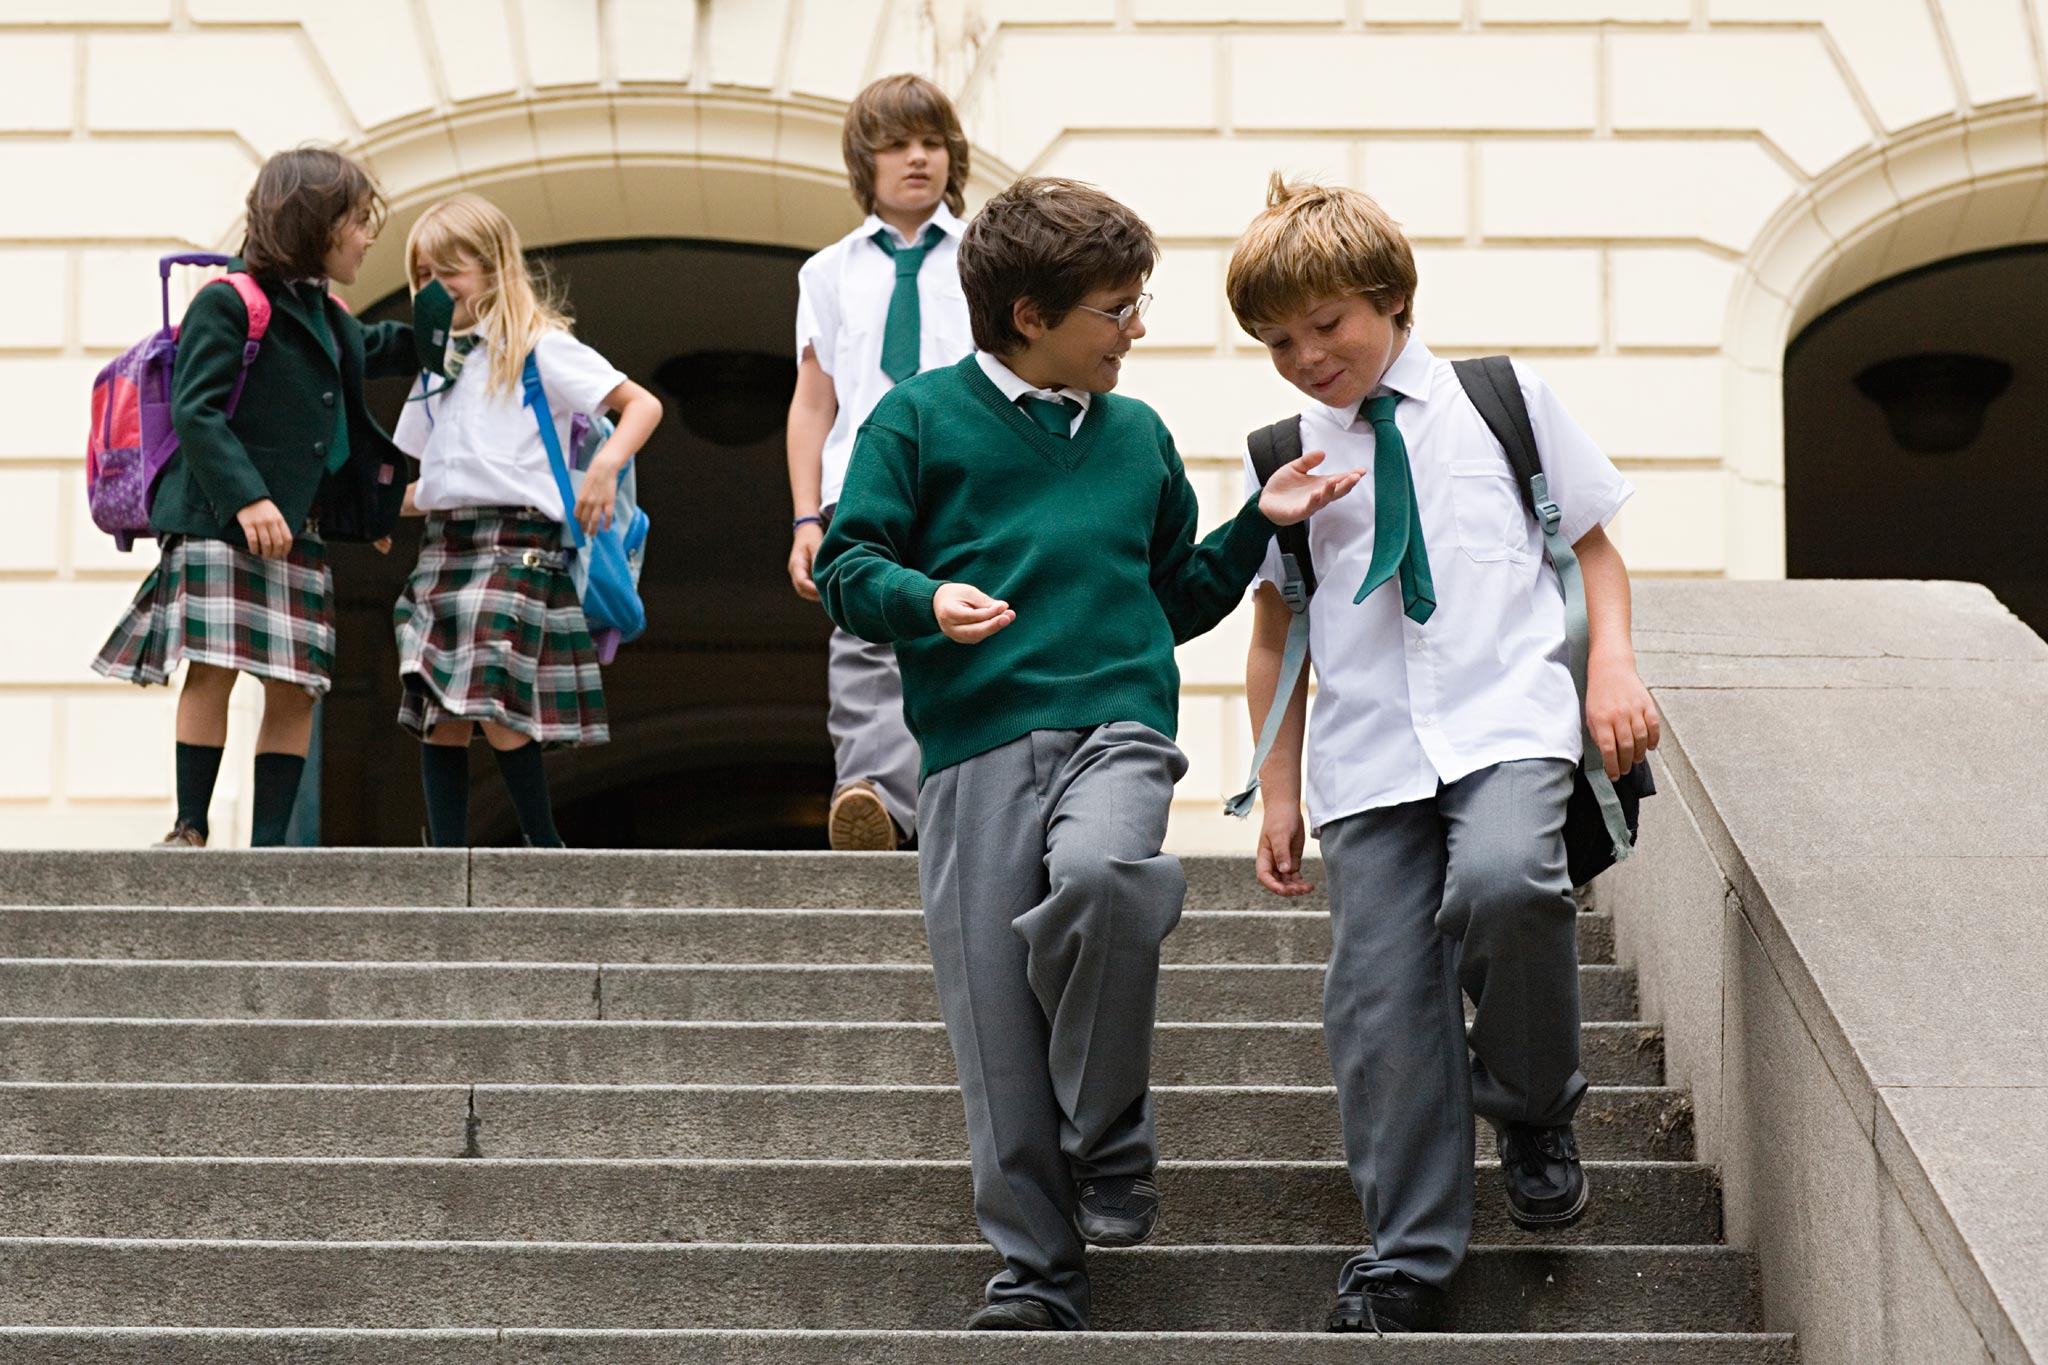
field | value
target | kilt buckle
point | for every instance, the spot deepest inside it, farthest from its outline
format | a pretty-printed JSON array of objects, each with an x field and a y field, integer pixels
[{"x": 531, "y": 559}]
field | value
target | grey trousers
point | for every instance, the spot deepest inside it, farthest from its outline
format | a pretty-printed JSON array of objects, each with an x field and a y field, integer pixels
[
  {"x": 1464, "y": 893},
  {"x": 1045, "y": 901},
  {"x": 870, "y": 742}
]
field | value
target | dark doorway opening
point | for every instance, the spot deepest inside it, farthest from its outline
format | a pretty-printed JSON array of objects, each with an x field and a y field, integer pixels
[
  {"x": 1933, "y": 469},
  {"x": 718, "y": 712}
]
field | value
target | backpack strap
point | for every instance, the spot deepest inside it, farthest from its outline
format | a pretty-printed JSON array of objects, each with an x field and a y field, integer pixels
[
  {"x": 544, "y": 418},
  {"x": 1491, "y": 384},
  {"x": 257, "y": 303},
  {"x": 1271, "y": 448}
]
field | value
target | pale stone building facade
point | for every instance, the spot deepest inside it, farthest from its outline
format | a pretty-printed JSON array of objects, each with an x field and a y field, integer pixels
[{"x": 1647, "y": 198}]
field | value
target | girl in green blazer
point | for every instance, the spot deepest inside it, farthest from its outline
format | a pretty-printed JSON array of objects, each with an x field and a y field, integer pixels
[{"x": 245, "y": 507}]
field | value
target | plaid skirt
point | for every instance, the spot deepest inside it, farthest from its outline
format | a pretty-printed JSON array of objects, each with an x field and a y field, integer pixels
[
  {"x": 489, "y": 628},
  {"x": 210, "y": 603}
]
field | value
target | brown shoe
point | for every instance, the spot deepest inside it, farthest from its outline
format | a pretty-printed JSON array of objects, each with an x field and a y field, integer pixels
[
  {"x": 858, "y": 822},
  {"x": 182, "y": 835}
]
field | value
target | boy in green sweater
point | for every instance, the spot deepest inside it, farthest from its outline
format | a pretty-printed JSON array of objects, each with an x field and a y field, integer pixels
[{"x": 1026, "y": 541}]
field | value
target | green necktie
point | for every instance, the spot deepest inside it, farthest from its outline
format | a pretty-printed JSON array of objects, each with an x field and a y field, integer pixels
[
  {"x": 900, "y": 336},
  {"x": 1055, "y": 416},
  {"x": 1397, "y": 524},
  {"x": 315, "y": 298}
]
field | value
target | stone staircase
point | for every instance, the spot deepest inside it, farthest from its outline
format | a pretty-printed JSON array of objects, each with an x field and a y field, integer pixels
[{"x": 479, "y": 1131}]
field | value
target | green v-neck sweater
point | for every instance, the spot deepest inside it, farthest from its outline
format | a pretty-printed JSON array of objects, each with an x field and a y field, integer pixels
[{"x": 1090, "y": 540}]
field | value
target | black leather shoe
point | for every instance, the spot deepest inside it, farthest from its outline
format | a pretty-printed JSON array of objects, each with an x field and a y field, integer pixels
[
  {"x": 1013, "y": 1315},
  {"x": 1546, "y": 1184},
  {"x": 1117, "y": 1211},
  {"x": 1396, "y": 1305}
]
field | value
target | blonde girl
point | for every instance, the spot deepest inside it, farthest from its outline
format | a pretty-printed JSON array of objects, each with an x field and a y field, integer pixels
[{"x": 490, "y": 632}]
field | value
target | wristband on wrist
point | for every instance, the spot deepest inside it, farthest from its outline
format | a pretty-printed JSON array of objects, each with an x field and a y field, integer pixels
[{"x": 812, "y": 520}]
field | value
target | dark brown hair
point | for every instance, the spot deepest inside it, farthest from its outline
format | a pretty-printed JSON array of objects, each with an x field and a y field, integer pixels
[
  {"x": 1051, "y": 241},
  {"x": 300, "y": 197},
  {"x": 890, "y": 110}
]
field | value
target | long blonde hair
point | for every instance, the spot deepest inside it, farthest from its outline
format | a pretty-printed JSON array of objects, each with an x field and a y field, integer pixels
[{"x": 517, "y": 304}]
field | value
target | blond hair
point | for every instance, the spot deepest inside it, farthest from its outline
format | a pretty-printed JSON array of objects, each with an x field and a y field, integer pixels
[
  {"x": 1315, "y": 242},
  {"x": 517, "y": 304},
  {"x": 890, "y": 110}
]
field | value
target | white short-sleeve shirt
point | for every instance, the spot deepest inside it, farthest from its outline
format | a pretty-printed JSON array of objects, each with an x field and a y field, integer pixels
[
  {"x": 480, "y": 447},
  {"x": 1401, "y": 707},
  {"x": 842, "y": 311}
]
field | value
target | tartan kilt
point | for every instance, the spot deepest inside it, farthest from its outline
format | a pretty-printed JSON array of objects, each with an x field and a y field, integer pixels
[
  {"x": 489, "y": 628},
  {"x": 208, "y": 602}
]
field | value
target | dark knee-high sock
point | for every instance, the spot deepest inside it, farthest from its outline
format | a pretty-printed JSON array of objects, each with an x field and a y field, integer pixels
[
  {"x": 277, "y": 786},
  {"x": 198, "y": 767},
  {"x": 527, "y": 781},
  {"x": 444, "y": 775}
]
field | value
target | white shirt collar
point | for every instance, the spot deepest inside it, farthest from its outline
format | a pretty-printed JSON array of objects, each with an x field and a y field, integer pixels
[
  {"x": 1015, "y": 387},
  {"x": 948, "y": 222},
  {"x": 1408, "y": 376}
]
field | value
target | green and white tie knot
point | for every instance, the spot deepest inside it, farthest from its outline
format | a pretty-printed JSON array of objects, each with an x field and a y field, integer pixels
[
  {"x": 1397, "y": 545},
  {"x": 903, "y": 332}
]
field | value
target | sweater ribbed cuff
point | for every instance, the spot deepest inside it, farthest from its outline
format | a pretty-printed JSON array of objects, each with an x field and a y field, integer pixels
[
  {"x": 907, "y": 605},
  {"x": 1250, "y": 532}
]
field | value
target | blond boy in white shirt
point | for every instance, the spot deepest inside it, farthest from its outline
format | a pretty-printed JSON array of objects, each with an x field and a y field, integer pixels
[
  {"x": 877, "y": 306},
  {"x": 1447, "y": 733}
]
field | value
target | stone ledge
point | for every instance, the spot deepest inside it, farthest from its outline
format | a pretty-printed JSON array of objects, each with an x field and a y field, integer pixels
[{"x": 1867, "y": 764}]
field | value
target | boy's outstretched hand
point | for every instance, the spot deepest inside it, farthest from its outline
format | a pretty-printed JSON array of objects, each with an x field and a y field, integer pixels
[
  {"x": 1296, "y": 492},
  {"x": 1620, "y": 715},
  {"x": 967, "y": 614}
]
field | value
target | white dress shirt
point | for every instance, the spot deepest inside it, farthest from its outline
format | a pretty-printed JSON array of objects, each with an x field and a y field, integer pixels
[
  {"x": 1403, "y": 707},
  {"x": 480, "y": 447},
  {"x": 1015, "y": 387},
  {"x": 842, "y": 311}
]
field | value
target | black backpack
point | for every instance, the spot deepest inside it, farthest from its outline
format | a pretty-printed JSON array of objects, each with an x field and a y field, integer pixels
[{"x": 1601, "y": 820}]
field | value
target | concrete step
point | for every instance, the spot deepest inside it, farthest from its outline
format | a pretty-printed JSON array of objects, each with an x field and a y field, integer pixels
[
  {"x": 73, "y": 988},
  {"x": 913, "y": 1202},
  {"x": 595, "y": 935},
  {"x": 64, "y": 1282},
  {"x": 489, "y": 1346},
  {"x": 608, "y": 1053},
  {"x": 614, "y": 878},
  {"x": 653, "y": 1122}
]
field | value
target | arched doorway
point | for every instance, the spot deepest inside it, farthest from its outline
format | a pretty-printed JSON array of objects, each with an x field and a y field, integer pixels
[
  {"x": 676, "y": 223},
  {"x": 1951, "y": 192},
  {"x": 718, "y": 711},
  {"x": 1914, "y": 413}
]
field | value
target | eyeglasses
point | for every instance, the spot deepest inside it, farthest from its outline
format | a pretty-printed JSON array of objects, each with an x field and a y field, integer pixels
[{"x": 1124, "y": 316}]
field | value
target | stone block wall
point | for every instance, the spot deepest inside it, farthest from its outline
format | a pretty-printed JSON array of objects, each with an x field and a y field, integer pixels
[{"x": 1643, "y": 197}]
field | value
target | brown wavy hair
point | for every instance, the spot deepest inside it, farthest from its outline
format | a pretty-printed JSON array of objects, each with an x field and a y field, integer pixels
[
  {"x": 1052, "y": 241},
  {"x": 890, "y": 110},
  {"x": 300, "y": 199}
]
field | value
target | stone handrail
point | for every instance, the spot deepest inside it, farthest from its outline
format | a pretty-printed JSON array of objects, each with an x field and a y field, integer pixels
[{"x": 1837, "y": 913}]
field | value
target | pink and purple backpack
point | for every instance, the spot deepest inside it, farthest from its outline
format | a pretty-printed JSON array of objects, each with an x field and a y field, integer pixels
[{"x": 131, "y": 439}]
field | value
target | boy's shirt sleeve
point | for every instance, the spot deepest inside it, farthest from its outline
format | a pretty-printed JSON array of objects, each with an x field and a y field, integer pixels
[
  {"x": 817, "y": 313},
  {"x": 1200, "y": 583},
  {"x": 574, "y": 376},
  {"x": 1584, "y": 483},
  {"x": 208, "y": 364},
  {"x": 863, "y": 580}
]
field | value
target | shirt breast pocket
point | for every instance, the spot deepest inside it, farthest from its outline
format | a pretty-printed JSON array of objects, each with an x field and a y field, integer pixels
[{"x": 1492, "y": 524}]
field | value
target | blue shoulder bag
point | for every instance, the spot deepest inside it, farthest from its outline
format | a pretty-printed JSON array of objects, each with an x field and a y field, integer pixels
[{"x": 605, "y": 566}]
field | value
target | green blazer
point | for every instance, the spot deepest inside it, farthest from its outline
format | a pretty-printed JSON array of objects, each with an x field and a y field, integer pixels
[{"x": 275, "y": 446}]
